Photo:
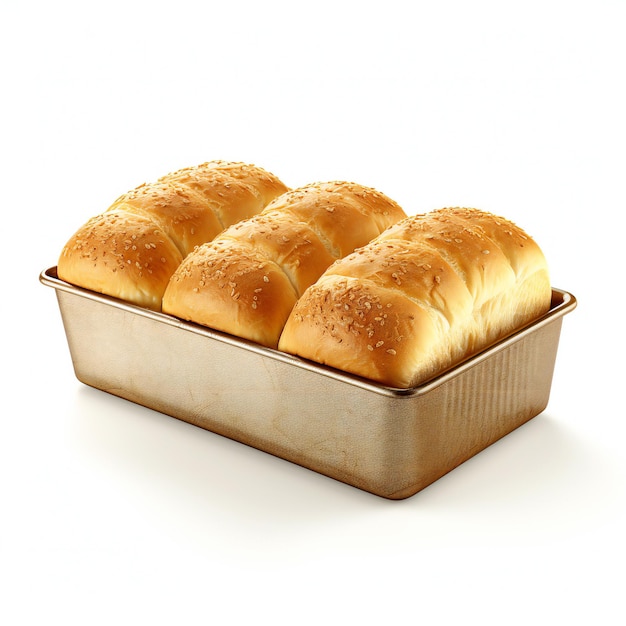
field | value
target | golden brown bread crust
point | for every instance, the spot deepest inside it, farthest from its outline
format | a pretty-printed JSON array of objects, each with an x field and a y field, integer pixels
[
  {"x": 121, "y": 254},
  {"x": 233, "y": 287},
  {"x": 424, "y": 295},
  {"x": 131, "y": 250},
  {"x": 248, "y": 279},
  {"x": 180, "y": 211}
]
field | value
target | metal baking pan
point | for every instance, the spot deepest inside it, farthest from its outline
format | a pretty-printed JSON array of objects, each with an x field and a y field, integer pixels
[{"x": 390, "y": 442}]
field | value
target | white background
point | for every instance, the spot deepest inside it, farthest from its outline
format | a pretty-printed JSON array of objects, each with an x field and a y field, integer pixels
[{"x": 114, "y": 514}]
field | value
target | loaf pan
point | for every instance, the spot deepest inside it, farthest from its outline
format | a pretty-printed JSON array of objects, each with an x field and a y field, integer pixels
[{"x": 389, "y": 442}]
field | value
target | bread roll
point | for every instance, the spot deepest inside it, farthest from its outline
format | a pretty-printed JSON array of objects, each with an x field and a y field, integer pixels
[
  {"x": 246, "y": 281},
  {"x": 131, "y": 250},
  {"x": 424, "y": 295}
]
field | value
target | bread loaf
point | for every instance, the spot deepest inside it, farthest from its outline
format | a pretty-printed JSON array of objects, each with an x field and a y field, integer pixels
[
  {"x": 131, "y": 250},
  {"x": 424, "y": 295},
  {"x": 246, "y": 281}
]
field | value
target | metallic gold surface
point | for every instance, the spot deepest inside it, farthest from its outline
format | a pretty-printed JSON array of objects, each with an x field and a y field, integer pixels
[{"x": 390, "y": 442}]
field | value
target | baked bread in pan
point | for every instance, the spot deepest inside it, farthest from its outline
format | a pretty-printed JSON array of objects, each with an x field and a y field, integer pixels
[
  {"x": 427, "y": 293},
  {"x": 333, "y": 272},
  {"x": 131, "y": 250},
  {"x": 246, "y": 281}
]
